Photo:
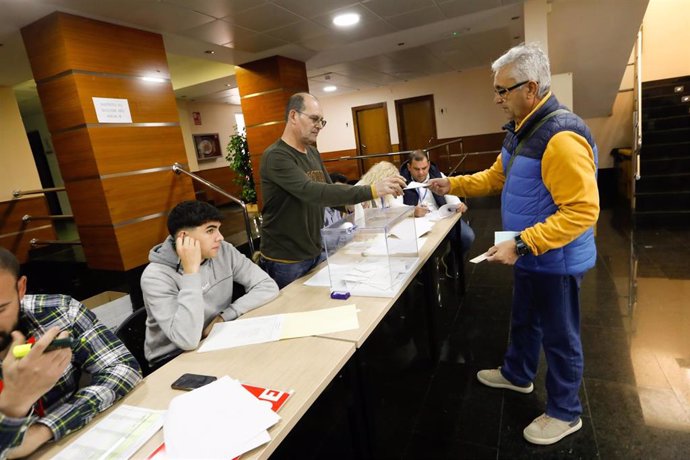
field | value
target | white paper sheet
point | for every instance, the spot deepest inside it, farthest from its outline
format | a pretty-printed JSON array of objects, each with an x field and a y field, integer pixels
[
  {"x": 322, "y": 321},
  {"x": 415, "y": 185},
  {"x": 118, "y": 436},
  {"x": 479, "y": 258},
  {"x": 243, "y": 332},
  {"x": 500, "y": 237},
  {"x": 422, "y": 227},
  {"x": 216, "y": 421}
]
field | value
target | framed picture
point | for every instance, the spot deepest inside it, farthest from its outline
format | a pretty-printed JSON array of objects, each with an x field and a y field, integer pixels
[{"x": 207, "y": 146}]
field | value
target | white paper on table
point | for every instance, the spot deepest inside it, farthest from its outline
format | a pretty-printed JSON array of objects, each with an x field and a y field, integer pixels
[
  {"x": 415, "y": 185},
  {"x": 324, "y": 321},
  {"x": 479, "y": 258},
  {"x": 217, "y": 420},
  {"x": 500, "y": 237},
  {"x": 422, "y": 227},
  {"x": 320, "y": 278},
  {"x": 240, "y": 332},
  {"x": 118, "y": 436}
]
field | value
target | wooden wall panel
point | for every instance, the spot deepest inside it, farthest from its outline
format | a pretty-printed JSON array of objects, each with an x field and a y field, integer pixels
[
  {"x": 61, "y": 42},
  {"x": 118, "y": 199},
  {"x": 15, "y": 234},
  {"x": 74, "y": 154},
  {"x": 20, "y": 244},
  {"x": 260, "y": 137},
  {"x": 90, "y": 152},
  {"x": 12, "y": 211},
  {"x": 265, "y": 108},
  {"x": 348, "y": 167},
  {"x": 221, "y": 177},
  {"x": 122, "y": 248},
  {"x": 271, "y": 73},
  {"x": 134, "y": 148},
  {"x": 68, "y": 100}
]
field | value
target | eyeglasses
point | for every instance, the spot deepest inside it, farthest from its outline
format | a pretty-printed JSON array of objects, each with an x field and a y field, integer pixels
[
  {"x": 502, "y": 92},
  {"x": 318, "y": 121}
]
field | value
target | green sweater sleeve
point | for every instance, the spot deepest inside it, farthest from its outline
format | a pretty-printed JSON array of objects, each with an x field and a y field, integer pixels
[{"x": 309, "y": 183}]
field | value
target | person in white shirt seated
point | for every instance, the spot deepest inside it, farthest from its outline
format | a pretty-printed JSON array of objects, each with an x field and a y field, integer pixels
[{"x": 418, "y": 168}]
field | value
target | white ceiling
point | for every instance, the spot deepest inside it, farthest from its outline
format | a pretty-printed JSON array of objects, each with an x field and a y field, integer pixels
[{"x": 396, "y": 40}]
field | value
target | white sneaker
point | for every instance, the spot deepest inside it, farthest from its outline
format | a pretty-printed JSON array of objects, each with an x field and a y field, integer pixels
[
  {"x": 545, "y": 430},
  {"x": 493, "y": 378}
]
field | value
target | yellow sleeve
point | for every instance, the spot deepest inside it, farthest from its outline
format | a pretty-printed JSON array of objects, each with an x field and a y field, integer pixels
[
  {"x": 487, "y": 182},
  {"x": 568, "y": 171}
]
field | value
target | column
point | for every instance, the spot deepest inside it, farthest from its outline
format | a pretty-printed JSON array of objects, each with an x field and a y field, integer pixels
[
  {"x": 265, "y": 87},
  {"x": 117, "y": 174}
]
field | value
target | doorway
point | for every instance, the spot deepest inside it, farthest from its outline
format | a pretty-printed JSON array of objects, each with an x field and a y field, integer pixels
[
  {"x": 372, "y": 133},
  {"x": 416, "y": 119}
]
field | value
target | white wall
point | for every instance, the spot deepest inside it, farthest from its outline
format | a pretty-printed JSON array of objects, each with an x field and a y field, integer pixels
[
  {"x": 465, "y": 97},
  {"x": 463, "y": 102},
  {"x": 16, "y": 160},
  {"x": 215, "y": 118},
  {"x": 665, "y": 39}
]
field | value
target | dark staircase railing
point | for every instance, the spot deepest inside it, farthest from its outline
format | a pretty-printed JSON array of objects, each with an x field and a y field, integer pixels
[{"x": 662, "y": 194}]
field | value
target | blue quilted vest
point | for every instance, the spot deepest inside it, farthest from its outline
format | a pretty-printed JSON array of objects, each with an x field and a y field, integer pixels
[{"x": 525, "y": 200}]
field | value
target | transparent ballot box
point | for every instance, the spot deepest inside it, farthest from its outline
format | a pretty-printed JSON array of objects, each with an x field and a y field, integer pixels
[{"x": 370, "y": 253}]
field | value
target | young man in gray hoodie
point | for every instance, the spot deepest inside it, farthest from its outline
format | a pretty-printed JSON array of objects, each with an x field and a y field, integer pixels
[{"x": 188, "y": 284}]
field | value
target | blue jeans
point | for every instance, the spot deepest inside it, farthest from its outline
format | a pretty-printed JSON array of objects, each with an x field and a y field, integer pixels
[
  {"x": 463, "y": 232},
  {"x": 285, "y": 273},
  {"x": 546, "y": 312}
]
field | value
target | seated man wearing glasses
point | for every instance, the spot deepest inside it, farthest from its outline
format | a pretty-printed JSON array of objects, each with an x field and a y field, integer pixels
[{"x": 296, "y": 188}]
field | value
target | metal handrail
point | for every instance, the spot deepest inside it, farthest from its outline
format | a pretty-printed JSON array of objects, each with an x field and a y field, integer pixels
[
  {"x": 18, "y": 193},
  {"x": 449, "y": 155},
  {"x": 178, "y": 169},
  {"x": 362, "y": 157},
  {"x": 29, "y": 217},
  {"x": 37, "y": 242}
]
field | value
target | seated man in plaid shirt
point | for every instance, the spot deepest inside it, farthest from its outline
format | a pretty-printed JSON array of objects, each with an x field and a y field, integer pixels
[{"x": 40, "y": 399}]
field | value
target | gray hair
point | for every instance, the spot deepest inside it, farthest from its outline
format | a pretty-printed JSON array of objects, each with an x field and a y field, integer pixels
[{"x": 529, "y": 62}]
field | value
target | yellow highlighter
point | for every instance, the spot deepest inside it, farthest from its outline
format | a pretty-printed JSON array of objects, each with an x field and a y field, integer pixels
[{"x": 19, "y": 351}]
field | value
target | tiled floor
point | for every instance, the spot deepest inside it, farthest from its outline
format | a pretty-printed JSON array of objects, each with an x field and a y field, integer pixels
[{"x": 636, "y": 388}]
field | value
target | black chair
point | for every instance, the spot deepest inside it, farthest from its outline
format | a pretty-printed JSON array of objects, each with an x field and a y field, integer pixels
[{"x": 132, "y": 332}]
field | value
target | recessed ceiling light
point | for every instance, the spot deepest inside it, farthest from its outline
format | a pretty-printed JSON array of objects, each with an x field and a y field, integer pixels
[
  {"x": 210, "y": 52},
  {"x": 154, "y": 79},
  {"x": 330, "y": 89},
  {"x": 346, "y": 19}
]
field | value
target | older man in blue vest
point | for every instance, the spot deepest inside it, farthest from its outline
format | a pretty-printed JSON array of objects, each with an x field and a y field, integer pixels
[{"x": 546, "y": 174}]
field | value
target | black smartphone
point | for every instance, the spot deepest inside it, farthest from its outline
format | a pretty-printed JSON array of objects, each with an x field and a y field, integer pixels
[{"x": 191, "y": 381}]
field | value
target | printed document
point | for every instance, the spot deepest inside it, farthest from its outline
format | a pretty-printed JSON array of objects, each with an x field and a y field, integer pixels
[{"x": 118, "y": 436}]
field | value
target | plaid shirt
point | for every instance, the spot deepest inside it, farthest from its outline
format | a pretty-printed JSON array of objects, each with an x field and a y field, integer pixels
[{"x": 114, "y": 371}]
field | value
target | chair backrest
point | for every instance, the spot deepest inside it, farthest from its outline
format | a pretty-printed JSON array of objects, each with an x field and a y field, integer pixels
[{"x": 132, "y": 332}]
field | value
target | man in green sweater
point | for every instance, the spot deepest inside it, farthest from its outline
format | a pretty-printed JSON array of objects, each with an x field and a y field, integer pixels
[{"x": 296, "y": 188}]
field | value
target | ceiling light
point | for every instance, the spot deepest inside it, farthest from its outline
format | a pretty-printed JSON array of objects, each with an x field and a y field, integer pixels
[
  {"x": 210, "y": 52},
  {"x": 154, "y": 79},
  {"x": 346, "y": 20},
  {"x": 330, "y": 89}
]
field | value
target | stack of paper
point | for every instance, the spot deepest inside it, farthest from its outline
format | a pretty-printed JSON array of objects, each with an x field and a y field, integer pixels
[{"x": 219, "y": 420}]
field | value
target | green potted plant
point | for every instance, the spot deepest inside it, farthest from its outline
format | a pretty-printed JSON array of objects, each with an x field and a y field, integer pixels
[{"x": 238, "y": 157}]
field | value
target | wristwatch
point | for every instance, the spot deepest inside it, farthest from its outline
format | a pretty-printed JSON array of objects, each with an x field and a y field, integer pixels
[{"x": 521, "y": 248}]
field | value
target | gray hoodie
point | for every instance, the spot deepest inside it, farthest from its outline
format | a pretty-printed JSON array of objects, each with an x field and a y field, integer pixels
[{"x": 179, "y": 306}]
